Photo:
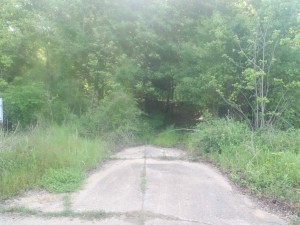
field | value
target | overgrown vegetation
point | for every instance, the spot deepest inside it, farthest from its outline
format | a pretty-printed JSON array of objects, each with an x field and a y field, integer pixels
[
  {"x": 267, "y": 161},
  {"x": 125, "y": 71},
  {"x": 170, "y": 137},
  {"x": 54, "y": 158},
  {"x": 117, "y": 119},
  {"x": 220, "y": 56}
]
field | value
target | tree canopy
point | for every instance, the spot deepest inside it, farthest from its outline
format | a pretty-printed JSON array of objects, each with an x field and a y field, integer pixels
[{"x": 240, "y": 58}]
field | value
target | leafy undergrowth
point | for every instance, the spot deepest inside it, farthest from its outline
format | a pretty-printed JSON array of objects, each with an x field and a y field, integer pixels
[
  {"x": 266, "y": 161},
  {"x": 55, "y": 158}
]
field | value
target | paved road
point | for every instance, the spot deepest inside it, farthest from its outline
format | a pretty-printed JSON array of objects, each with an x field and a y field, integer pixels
[{"x": 147, "y": 186}]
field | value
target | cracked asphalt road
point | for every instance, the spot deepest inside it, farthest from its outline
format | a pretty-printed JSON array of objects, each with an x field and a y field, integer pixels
[{"x": 148, "y": 185}]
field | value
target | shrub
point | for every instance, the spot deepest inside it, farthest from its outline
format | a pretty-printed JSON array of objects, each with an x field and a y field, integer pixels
[
  {"x": 212, "y": 135},
  {"x": 23, "y": 103},
  {"x": 117, "y": 119}
]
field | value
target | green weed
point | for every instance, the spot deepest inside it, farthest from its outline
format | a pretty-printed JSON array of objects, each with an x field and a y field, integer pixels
[
  {"x": 19, "y": 209},
  {"x": 143, "y": 184},
  {"x": 67, "y": 203},
  {"x": 66, "y": 213},
  {"x": 62, "y": 180}
]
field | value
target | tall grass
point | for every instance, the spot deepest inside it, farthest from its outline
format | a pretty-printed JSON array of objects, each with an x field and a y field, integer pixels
[
  {"x": 267, "y": 161},
  {"x": 28, "y": 157},
  {"x": 170, "y": 137}
]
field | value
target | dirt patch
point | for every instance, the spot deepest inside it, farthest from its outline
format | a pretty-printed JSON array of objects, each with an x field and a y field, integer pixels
[{"x": 39, "y": 200}]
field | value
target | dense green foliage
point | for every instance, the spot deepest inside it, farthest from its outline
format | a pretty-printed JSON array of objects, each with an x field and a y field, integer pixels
[
  {"x": 63, "y": 58},
  {"x": 116, "y": 119}
]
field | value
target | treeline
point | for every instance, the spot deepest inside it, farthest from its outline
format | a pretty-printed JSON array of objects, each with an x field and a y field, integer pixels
[{"x": 60, "y": 60}]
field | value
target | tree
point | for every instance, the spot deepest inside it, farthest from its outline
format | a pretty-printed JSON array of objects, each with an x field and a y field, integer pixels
[{"x": 256, "y": 32}]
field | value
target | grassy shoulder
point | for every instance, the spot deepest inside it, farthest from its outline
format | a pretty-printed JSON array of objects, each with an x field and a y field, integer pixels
[
  {"x": 55, "y": 158},
  {"x": 266, "y": 161}
]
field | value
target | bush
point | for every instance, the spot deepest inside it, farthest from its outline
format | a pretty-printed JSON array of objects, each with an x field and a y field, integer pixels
[
  {"x": 23, "y": 103},
  {"x": 211, "y": 136},
  {"x": 117, "y": 119}
]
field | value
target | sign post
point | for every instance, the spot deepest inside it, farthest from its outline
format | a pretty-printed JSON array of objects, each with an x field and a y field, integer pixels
[{"x": 1, "y": 113}]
